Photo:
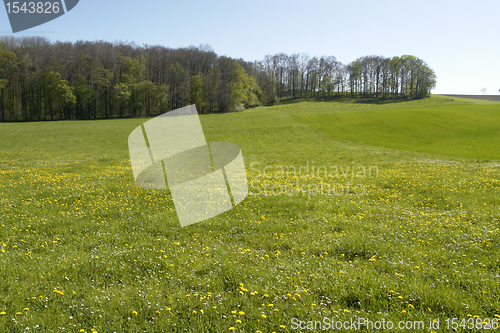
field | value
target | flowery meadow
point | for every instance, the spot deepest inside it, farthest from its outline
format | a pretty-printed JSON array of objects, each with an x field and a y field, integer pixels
[{"x": 83, "y": 249}]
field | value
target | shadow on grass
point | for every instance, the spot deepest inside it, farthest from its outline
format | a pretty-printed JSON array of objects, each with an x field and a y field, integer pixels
[{"x": 347, "y": 99}]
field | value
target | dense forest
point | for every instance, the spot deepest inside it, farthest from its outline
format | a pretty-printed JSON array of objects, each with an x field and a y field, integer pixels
[{"x": 44, "y": 80}]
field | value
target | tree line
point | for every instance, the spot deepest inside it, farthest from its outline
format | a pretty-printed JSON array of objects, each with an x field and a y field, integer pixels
[{"x": 43, "y": 80}]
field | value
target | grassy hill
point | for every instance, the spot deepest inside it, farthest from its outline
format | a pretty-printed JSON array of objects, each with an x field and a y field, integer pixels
[
  {"x": 357, "y": 209},
  {"x": 459, "y": 129}
]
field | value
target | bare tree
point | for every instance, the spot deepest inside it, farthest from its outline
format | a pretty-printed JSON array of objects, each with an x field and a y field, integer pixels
[
  {"x": 483, "y": 90},
  {"x": 38, "y": 79}
]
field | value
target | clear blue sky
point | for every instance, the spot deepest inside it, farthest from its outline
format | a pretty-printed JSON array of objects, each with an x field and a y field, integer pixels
[{"x": 458, "y": 39}]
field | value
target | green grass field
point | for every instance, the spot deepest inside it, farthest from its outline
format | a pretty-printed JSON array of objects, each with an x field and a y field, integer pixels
[
  {"x": 454, "y": 130},
  {"x": 392, "y": 213}
]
